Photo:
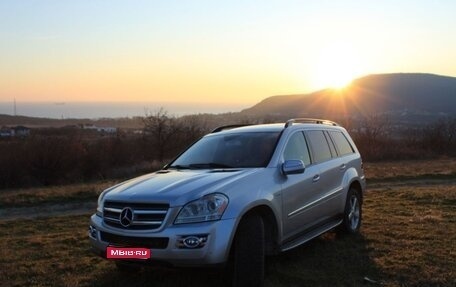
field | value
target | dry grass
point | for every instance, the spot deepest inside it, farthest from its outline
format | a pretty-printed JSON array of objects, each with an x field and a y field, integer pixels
[
  {"x": 408, "y": 239},
  {"x": 52, "y": 195},
  {"x": 378, "y": 171},
  {"x": 412, "y": 232},
  {"x": 438, "y": 168}
]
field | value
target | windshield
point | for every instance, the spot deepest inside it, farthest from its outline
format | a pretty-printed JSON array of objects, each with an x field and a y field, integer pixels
[{"x": 229, "y": 151}]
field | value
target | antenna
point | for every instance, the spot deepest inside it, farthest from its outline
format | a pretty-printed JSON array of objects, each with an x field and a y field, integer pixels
[{"x": 15, "y": 110}]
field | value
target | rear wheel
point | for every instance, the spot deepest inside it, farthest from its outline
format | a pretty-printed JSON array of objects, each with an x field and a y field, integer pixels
[
  {"x": 249, "y": 251},
  {"x": 353, "y": 212}
]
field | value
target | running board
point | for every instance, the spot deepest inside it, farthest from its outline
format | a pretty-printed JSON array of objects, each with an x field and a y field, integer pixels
[{"x": 310, "y": 235}]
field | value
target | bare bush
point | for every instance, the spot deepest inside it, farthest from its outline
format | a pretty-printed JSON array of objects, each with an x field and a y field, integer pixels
[
  {"x": 166, "y": 135},
  {"x": 160, "y": 130},
  {"x": 440, "y": 136},
  {"x": 55, "y": 156},
  {"x": 372, "y": 135}
]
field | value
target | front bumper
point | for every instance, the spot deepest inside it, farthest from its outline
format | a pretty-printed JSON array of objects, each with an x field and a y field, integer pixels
[{"x": 215, "y": 251}]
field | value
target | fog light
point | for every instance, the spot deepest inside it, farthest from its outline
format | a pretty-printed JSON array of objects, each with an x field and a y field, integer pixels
[
  {"x": 92, "y": 232},
  {"x": 191, "y": 241}
]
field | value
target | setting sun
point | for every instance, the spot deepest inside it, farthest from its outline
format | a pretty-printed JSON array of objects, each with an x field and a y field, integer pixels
[
  {"x": 205, "y": 53},
  {"x": 336, "y": 66}
]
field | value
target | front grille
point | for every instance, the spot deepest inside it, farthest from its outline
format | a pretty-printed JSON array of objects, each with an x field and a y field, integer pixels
[
  {"x": 129, "y": 241},
  {"x": 144, "y": 215}
]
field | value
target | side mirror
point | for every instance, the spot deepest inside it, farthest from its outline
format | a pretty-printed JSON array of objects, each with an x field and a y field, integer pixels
[{"x": 293, "y": 166}]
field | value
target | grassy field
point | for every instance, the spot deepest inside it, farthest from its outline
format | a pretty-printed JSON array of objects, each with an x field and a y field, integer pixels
[
  {"x": 408, "y": 238},
  {"x": 410, "y": 169},
  {"x": 31, "y": 197},
  {"x": 375, "y": 172}
]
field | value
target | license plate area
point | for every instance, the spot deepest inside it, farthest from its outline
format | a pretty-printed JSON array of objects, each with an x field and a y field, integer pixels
[{"x": 127, "y": 253}]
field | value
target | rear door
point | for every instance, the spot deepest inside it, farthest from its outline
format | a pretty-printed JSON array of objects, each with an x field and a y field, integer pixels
[{"x": 325, "y": 157}]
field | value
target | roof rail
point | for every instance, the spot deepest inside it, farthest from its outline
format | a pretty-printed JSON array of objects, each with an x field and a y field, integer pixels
[
  {"x": 290, "y": 122},
  {"x": 228, "y": 127}
]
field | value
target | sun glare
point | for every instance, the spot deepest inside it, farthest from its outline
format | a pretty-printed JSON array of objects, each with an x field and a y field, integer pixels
[{"x": 336, "y": 66}]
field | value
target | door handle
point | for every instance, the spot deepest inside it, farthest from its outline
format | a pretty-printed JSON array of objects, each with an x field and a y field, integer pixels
[
  {"x": 316, "y": 178},
  {"x": 343, "y": 166}
]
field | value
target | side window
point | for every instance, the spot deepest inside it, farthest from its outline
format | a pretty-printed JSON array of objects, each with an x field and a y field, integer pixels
[
  {"x": 297, "y": 149},
  {"x": 331, "y": 145},
  {"x": 342, "y": 143},
  {"x": 320, "y": 147}
]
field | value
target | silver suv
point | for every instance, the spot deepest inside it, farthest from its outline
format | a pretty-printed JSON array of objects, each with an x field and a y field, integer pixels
[{"x": 236, "y": 195}]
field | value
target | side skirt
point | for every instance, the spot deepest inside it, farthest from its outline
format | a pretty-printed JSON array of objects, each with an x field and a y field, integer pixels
[{"x": 310, "y": 234}]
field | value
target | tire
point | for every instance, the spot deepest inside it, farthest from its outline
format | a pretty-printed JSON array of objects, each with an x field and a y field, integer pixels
[
  {"x": 352, "y": 213},
  {"x": 249, "y": 252},
  {"x": 125, "y": 267}
]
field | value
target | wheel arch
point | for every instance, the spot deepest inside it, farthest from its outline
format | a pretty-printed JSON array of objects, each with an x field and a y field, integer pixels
[
  {"x": 353, "y": 179},
  {"x": 357, "y": 185},
  {"x": 271, "y": 227}
]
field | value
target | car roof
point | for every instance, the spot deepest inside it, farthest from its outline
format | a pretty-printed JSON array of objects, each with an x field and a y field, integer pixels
[
  {"x": 276, "y": 127},
  {"x": 257, "y": 128}
]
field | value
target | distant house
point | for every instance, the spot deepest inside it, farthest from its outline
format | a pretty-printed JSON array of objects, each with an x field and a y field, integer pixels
[
  {"x": 21, "y": 131},
  {"x": 18, "y": 131},
  {"x": 88, "y": 127},
  {"x": 6, "y": 132},
  {"x": 108, "y": 130}
]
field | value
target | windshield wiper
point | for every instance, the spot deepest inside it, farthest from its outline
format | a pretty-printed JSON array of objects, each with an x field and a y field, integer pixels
[
  {"x": 209, "y": 165},
  {"x": 178, "y": 166}
]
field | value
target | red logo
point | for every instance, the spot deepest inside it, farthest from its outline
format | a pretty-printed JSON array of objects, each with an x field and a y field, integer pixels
[{"x": 127, "y": 253}]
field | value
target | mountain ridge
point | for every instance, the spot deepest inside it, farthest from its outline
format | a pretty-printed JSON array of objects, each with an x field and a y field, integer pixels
[
  {"x": 407, "y": 97},
  {"x": 393, "y": 93}
]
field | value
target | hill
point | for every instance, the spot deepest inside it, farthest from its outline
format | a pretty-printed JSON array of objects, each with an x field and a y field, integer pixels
[
  {"x": 406, "y": 98},
  {"x": 398, "y": 95}
]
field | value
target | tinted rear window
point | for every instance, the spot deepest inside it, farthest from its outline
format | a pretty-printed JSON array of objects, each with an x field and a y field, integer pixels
[
  {"x": 320, "y": 148},
  {"x": 341, "y": 142}
]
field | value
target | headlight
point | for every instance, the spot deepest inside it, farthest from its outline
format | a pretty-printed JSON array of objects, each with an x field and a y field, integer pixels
[
  {"x": 207, "y": 208},
  {"x": 100, "y": 203},
  {"x": 101, "y": 197}
]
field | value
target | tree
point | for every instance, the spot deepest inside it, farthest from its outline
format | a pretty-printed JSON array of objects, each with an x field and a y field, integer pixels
[
  {"x": 160, "y": 131},
  {"x": 192, "y": 128},
  {"x": 440, "y": 136},
  {"x": 372, "y": 135}
]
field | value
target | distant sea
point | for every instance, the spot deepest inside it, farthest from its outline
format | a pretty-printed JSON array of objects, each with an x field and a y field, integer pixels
[{"x": 60, "y": 110}]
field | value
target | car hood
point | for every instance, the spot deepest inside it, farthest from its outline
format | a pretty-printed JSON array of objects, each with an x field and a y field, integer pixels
[{"x": 177, "y": 187}]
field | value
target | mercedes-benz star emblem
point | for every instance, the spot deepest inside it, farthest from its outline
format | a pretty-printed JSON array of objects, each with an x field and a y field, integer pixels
[{"x": 126, "y": 217}]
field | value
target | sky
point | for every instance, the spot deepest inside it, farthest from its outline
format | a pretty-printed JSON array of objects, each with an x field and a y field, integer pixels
[{"x": 213, "y": 52}]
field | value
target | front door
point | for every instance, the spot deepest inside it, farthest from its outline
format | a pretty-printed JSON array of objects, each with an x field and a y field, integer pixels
[{"x": 298, "y": 190}]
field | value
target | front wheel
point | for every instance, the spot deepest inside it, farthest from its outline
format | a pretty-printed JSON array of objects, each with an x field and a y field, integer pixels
[
  {"x": 353, "y": 212},
  {"x": 249, "y": 251}
]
